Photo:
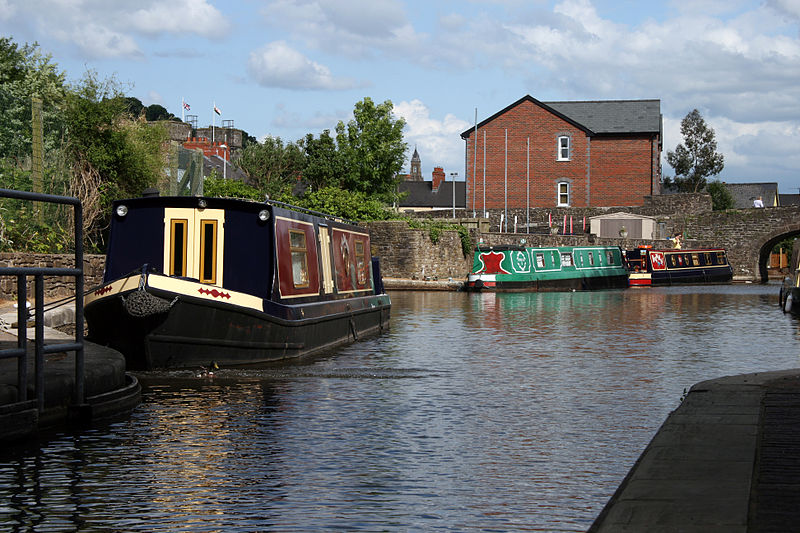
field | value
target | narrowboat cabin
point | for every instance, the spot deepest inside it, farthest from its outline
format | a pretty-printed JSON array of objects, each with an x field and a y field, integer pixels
[
  {"x": 192, "y": 280},
  {"x": 677, "y": 267},
  {"x": 563, "y": 268}
]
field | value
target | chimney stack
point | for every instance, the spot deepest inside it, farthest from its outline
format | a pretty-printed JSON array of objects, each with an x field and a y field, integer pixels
[{"x": 438, "y": 177}]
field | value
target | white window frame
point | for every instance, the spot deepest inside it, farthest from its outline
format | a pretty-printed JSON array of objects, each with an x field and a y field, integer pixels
[
  {"x": 559, "y": 194},
  {"x": 563, "y": 147}
]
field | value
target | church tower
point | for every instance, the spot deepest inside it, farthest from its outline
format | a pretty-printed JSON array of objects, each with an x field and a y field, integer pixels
[{"x": 416, "y": 167}]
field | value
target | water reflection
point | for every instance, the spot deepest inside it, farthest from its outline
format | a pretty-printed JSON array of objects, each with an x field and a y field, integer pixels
[{"x": 476, "y": 411}]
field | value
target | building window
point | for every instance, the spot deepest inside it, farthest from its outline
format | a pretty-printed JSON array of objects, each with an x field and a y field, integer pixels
[
  {"x": 563, "y": 194},
  {"x": 563, "y": 148}
]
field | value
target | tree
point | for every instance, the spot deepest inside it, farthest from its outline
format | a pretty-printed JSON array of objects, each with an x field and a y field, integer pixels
[
  {"x": 698, "y": 159},
  {"x": 372, "y": 149},
  {"x": 26, "y": 72},
  {"x": 324, "y": 165},
  {"x": 271, "y": 166},
  {"x": 721, "y": 197},
  {"x": 112, "y": 155}
]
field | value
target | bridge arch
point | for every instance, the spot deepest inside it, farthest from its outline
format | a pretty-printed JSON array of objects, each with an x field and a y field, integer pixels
[{"x": 764, "y": 245}]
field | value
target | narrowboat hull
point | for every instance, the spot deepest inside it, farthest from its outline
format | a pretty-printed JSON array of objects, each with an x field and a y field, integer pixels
[
  {"x": 649, "y": 267},
  {"x": 194, "y": 331},
  {"x": 519, "y": 269}
]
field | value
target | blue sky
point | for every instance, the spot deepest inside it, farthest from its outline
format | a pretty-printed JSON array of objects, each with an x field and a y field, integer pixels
[{"x": 291, "y": 67}]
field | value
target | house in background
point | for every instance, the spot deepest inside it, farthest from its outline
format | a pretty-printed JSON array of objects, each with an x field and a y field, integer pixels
[
  {"x": 435, "y": 195},
  {"x": 785, "y": 200},
  {"x": 745, "y": 194},
  {"x": 565, "y": 154}
]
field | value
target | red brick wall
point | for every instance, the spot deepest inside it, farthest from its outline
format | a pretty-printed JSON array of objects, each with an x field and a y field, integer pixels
[
  {"x": 621, "y": 170},
  {"x": 602, "y": 171}
]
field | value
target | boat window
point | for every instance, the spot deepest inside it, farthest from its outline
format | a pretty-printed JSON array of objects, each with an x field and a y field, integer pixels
[
  {"x": 208, "y": 251},
  {"x": 707, "y": 257},
  {"x": 610, "y": 257},
  {"x": 297, "y": 244},
  {"x": 566, "y": 259},
  {"x": 591, "y": 258},
  {"x": 695, "y": 260},
  {"x": 361, "y": 263},
  {"x": 721, "y": 258},
  {"x": 539, "y": 260},
  {"x": 177, "y": 252}
]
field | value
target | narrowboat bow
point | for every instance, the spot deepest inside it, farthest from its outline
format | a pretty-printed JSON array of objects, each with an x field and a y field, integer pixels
[
  {"x": 192, "y": 280},
  {"x": 563, "y": 268}
]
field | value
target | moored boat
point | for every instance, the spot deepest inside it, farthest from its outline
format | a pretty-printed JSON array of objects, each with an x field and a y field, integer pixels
[
  {"x": 562, "y": 268},
  {"x": 649, "y": 266},
  {"x": 193, "y": 280},
  {"x": 789, "y": 298}
]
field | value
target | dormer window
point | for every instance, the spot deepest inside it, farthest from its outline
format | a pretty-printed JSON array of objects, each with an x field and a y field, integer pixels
[{"x": 563, "y": 148}]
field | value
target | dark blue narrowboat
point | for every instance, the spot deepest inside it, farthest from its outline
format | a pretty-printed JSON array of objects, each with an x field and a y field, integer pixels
[
  {"x": 677, "y": 266},
  {"x": 191, "y": 280}
]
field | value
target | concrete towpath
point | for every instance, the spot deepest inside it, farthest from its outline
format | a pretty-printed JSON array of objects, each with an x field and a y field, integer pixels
[
  {"x": 726, "y": 460},
  {"x": 109, "y": 391}
]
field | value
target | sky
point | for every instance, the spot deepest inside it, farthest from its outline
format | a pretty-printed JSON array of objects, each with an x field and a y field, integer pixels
[{"x": 287, "y": 68}]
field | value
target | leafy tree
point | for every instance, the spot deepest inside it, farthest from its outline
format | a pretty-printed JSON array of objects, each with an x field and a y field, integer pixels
[
  {"x": 721, "y": 197},
  {"x": 324, "y": 165},
  {"x": 271, "y": 166},
  {"x": 26, "y": 72},
  {"x": 347, "y": 204},
  {"x": 215, "y": 186},
  {"x": 112, "y": 155},
  {"x": 697, "y": 159},
  {"x": 372, "y": 149}
]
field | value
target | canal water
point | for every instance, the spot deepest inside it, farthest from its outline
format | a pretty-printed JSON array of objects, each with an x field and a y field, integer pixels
[{"x": 476, "y": 412}]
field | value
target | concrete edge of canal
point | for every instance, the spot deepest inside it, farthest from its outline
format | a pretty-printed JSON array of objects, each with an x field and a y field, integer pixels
[
  {"x": 726, "y": 460},
  {"x": 111, "y": 393}
]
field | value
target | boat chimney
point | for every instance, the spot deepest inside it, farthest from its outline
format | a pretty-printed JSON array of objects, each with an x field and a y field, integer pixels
[{"x": 150, "y": 192}]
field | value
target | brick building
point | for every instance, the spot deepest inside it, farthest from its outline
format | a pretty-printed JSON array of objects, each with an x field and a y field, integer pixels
[{"x": 565, "y": 154}]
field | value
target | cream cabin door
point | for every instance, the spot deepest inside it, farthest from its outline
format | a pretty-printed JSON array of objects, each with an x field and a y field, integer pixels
[
  {"x": 193, "y": 243},
  {"x": 325, "y": 251}
]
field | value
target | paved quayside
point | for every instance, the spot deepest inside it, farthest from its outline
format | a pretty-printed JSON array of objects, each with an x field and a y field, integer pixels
[
  {"x": 110, "y": 392},
  {"x": 726, "y": 460}
]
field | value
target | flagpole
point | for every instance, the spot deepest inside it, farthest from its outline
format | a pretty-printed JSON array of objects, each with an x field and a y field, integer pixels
[
  {"x": 213, "y": 119},
  {"x": 183, "y": 110}
]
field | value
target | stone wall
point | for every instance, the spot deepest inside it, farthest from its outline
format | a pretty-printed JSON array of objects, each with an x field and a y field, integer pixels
[
  {"x": 662, "y": 207},
  {"x": 410, "y": 253},
  {"x": 54, "y": 286}
]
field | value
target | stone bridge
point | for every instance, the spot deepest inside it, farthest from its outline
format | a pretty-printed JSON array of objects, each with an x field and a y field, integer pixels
[{"x": 747, "y": 234}]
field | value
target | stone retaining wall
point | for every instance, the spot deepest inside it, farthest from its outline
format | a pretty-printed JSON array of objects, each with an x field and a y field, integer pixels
[{"x": 54, "y": 286}]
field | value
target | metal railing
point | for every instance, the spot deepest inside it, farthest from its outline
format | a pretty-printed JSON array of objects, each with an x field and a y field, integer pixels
[{"x": 38, "y": 273}]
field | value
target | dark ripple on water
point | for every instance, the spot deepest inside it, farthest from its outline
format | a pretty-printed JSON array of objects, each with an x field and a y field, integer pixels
[{"x": 474, "y": 413}]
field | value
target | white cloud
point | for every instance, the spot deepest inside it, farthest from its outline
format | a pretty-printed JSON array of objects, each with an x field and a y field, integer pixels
[
  {"x": 438, "y": 141},
  {"x": 112, "y": 28},
  {"x": 278, "y": 65},
  {"x": 352, "y": 28},
  {"x": 180, "y": 16}
]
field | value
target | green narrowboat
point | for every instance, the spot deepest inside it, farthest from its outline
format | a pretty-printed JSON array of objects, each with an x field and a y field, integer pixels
[{"x": 561, "y": 268}]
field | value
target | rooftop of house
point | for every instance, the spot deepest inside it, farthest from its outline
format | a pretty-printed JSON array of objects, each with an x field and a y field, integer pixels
[
  {"x": 598, "y": 117},
  {"x": 744, "y": 194},
  {"x": 421, "y": 194}
]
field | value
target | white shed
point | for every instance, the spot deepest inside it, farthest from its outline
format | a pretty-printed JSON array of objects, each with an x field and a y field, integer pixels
[{"x": 621, "y": 224}]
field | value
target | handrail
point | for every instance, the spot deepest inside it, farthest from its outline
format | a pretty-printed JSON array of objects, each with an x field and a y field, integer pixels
[{"x": 22, "y": 273}]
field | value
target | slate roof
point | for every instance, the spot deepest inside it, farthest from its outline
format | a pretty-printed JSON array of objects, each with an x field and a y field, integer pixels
[
  {"x": 421, "y": 195},
  {"x": 789, "y": 199},
  {"x": 744, "y": 194},
  {"x": 597, "y": 117}
]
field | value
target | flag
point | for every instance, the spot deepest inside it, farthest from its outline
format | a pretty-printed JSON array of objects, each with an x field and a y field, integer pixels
[
  {"x": 217, "y": 111},
  {"x": 186, "y": 106}
]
